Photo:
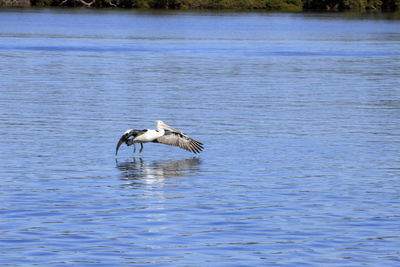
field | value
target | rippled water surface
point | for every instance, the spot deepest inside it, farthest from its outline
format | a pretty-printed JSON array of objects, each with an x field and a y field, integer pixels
[{"x": 299, "y": 114}]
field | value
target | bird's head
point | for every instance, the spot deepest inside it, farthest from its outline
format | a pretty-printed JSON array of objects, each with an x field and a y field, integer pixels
[
  {"x": 162, "y": 125},
  {"x": 159, "y": 124}
]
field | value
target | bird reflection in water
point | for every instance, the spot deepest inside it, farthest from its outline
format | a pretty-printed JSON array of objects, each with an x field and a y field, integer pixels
[{"x": 140, "y": 171}]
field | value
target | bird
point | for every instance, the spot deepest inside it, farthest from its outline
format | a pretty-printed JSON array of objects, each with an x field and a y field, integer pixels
[{"x": 164, "y": 134}]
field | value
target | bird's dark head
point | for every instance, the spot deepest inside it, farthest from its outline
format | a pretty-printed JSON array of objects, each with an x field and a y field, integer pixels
[{"x": 123, "y": 139}]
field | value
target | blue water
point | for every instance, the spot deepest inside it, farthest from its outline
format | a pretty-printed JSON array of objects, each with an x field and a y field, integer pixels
[{"x": 299, "y": 115}]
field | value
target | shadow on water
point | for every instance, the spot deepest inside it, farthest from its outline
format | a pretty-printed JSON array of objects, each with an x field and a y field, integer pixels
[{"x": 139, "y": 170}]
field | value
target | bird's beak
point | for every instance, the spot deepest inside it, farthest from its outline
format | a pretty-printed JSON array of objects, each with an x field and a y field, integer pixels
[
  {"x": 167, "y": 127},
  {"x": 121, "y": 140}
]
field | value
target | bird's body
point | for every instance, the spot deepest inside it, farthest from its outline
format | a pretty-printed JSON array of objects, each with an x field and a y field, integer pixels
[
  {"x": 149, "y": 136},
  {"x": 164, "y": 134}
]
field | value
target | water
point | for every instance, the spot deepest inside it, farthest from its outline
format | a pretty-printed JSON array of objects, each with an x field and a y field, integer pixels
[{"x": 299, "y": 114}]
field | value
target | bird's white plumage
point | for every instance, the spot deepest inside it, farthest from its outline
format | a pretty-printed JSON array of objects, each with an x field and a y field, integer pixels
[{"x": 148, "y": 136}]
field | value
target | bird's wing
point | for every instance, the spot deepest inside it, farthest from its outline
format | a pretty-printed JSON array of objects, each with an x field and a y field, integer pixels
[
  {"x": 125, "y": 137},
  {"x": 177, "y": 138}
]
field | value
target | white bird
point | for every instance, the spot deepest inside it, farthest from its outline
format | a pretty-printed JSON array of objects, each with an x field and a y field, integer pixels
[{"x": 164, "y": 134}]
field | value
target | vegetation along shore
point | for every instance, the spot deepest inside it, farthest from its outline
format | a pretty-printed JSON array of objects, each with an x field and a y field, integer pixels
[{"x": 269, "y": 5}]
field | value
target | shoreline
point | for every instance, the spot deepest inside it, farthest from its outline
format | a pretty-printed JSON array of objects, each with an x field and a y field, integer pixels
[{"x": 295, "y": 6}]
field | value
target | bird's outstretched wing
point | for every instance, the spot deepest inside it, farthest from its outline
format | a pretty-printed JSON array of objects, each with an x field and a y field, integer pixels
[{"x": 177, "y": 138}]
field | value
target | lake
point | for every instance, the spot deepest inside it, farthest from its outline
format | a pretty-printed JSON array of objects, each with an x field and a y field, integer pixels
[{"x": 299, "y": 115}]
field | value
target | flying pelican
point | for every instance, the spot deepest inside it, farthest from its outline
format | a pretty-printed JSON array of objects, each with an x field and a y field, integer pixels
[{"x": 164, "y": 134}]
